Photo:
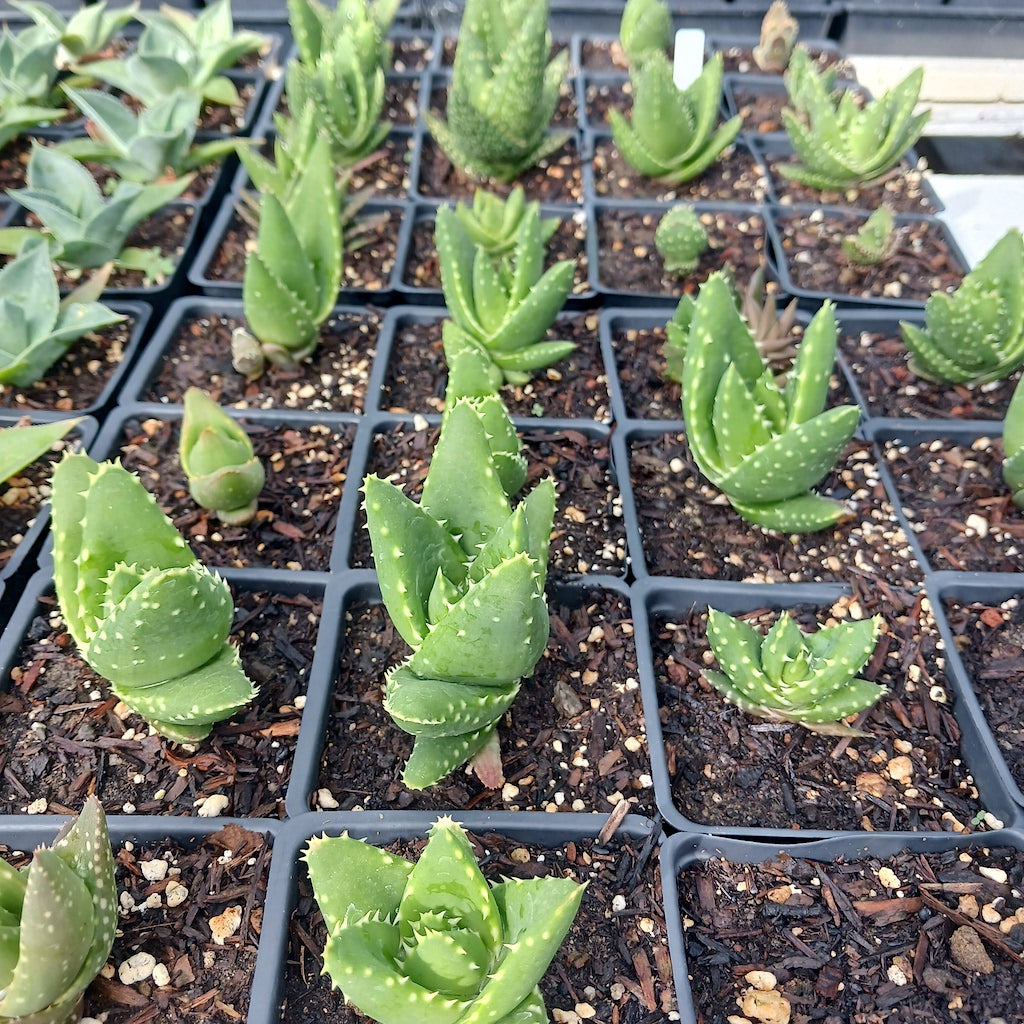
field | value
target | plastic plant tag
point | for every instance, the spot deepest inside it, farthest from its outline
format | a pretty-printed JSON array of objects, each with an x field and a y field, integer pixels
[{"x": 689, "y": 58}]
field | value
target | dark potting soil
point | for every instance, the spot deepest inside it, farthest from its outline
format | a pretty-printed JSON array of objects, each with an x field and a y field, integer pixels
[
  {"x": 689, "y": 530},
  {"x": 729, "y": 768},
  {"x": 901, "y": 939},
  {"x": 332, "y": 379},
  {"x": 990, "y": 638},
  {"x": 65, "y": 735},
  {"x": 878, "y": 362},
  {"x": 449, "y": 43},
  {"x": 411, "y": 53},
  {"x": 761, "y": 107},
  {"x": 574, "y": 740},
  {"x": 922, "y": 263},
  {"x": 612, "y": 966},
  {"x": 740, "y": 59},
  {"x": 630, "y": 263},
  {"x": 294, "y": 525},
  {"x": 401, "y": 100},
  {"x": 958, "y": 504},
  {"x": 589, "y": 535},
  {"x": 576, "y": 386},
  {"x": 734, "y": 178}
]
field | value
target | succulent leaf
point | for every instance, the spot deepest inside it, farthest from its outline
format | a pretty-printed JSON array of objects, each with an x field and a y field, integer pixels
[
  {"x": 1013, "y": 446},
  {"x": 646, "y": 25},
  {"x": 874, "y": 242},
  {"x": 21, "y": 445}
]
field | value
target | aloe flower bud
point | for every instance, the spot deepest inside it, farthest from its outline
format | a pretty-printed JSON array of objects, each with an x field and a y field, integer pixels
[
  {"x": 143, "y": 611},
  {"x": 432, "y": 940},
  {"x": 58, "y": 918},
  {"x": 792, "y": 676},
  {"x": 681, "y": 240},
  {"x": 223, "y": 472},
  {"x": 779, "y": 30},
  {"x": 646, "y": 25},
  {"x": 875, "y": 242}
]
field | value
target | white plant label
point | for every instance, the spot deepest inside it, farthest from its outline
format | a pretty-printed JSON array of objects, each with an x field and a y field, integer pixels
[{"x": 689, "y": 59}]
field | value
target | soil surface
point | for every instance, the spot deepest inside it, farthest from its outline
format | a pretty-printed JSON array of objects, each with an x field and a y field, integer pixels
[
  {"x": 612, "y": 966},
  {"x": 740, "y": 59},
  {"x": 576, "y": 386},
  {"x": 64, "y": 734},
  {"x": 573, "y": 741},
  {"x": 732, "y": 769},
  {"x": 958, "y": 504},
  {"x": 901, "y": 939}
]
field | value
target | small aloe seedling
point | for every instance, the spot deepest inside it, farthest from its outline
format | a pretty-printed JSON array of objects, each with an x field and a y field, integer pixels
[
  {"x": 143, "y": 611},
  {"x": 23, "y": 444},
  {"x": 792, "y": 676},
  {"x": 28, "y": 72},
  {"x": 462, "y": 577},
  {"x": 432, "y": 939},
  {"x": 681, "y": 240},
  {"x": 672, "y": 134},
  {"x": 493, "y": 222},
  {"x": 224, "y": 474},
  {"x": 839, "y": 144},
  {"x": 58, "y": 919},
  {"x": 1013, "y": 446},
  {"x": 975, "y": 334},
  {"x": 503, "y": 92},
  {"x": 874, "y": 242},
  {"x": 36, "y": 327},
  {"x": 85, "y": 34},
  {"x": 763, "y": 445},
  {"x": 779, "y": 30},
  {"x": 646, "y": 25},
  {"x": 503, "y": 308}
]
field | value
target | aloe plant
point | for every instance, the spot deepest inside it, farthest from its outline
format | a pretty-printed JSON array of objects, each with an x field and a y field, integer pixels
[
  {"x": 503, "y": 92},
  {"x": 681, "y": 240},
  {"x": 36, "y": 327},
  {"x": 28, "y": 72},
  {"x": 763, "y": 445},
  {"x": 224, "y": 474},
  {"x": 777, "y": 41},
  {"x": 434, "y": 940},
  {"x": 493, "y": 223},
  {"x": 839, "y": 144},
  {"x": 143, "y": 611},
  {"x": 21, "y": 445},
  {"x": 975, "y": 334},
  {"x": 1013, "y": 446},
  {"x": 646, "y": 25},
  {"x": 672, "y": 134},
  {"x": 462, "y": 577},
  {"x": 58, "y": 919},
  {"x": 792, "y": 676},
  {"x": 82, "y": 36},
  {"x": 503, "y": 308},
  {"x": 315, "y": 26},
  {"x": 875, "y": 240}
]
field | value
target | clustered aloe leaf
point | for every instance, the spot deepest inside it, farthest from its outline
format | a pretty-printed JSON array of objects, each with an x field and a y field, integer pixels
[
  {"x": 681, "y": 240},
  {"x": 839, "y": 144},
  {"x": 432, "y": 940},
  {"x": 28, "y": 71},
  {"x": 143, "y": 611},
  {"x": 975, "y": 334},
  {"x": 789, "y": 675},
  {"x": 23, "y": 444},
  {"x": 875, "y": 240},
  {"x": 763, "y": 445},
  {"x": 493, "y": 223},
  {"x": 1013, "y": 446},
  {"x": 462, "y": 577},
  {"x": 85, "y": 34},
  {"x": 503, "y": 92},
  {"x": 646, "y": 26},
  {"x": 58, "y": 919},
  {"x": 672, "y": 134}
]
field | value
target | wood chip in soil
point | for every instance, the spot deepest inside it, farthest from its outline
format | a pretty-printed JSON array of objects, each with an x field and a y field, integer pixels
[
  {"x": 574, "y": 739},
  {"x": 731, "y": 769},
  {"x": 294, "y": 526},
  {"x": 845, "y": 946},
  {"x": 630, "y": 263},
  {"x": 613, "y": 961},
  {"x": 689, "y": 530},
  {"x": 332, "y": 379},
  {"x": 990, "y": 639},
  {"x": 588, "y": 535},
  {"x": 64, "y": 734},
  {"x": 576, "y": 387},
  {"x": 958, "y": 504}
]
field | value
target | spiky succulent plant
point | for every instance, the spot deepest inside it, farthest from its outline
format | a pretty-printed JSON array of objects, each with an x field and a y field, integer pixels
[
  {"x": 838, "y": 143},
  {"x": 763, "y": 445},
  {"x": 681, "y": 240},
  {"x": 503, "y": 91},
  {"x": 493, "y": 222},
  {"x": 85, "y": 34},
  {"x": 779, "y": 30},
  {"x": 433, "y": 940},
  {"x": 143, "y": 611},
  {"x": 314, "y": 27},
  {"x": 875, "y": 240},
  {"x": 36, "y": 327},
  {"x": 462, "y": 577},
  {"x": 1013, "y": 446},
  {"x": 58, "y": 919},
  {"x": 646, "y": 25},
  {"x": 505, "y": 307},
  {"x": 672, "y": 134},
  {"x": 24, "y": 443},
  {"x": 975, "y": 334},
  {"x": 792, "y": 676},
  {"x": 224, "y": 474}
]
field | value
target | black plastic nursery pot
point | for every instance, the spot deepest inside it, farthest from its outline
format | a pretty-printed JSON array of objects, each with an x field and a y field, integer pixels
[
  {"x": 920, "y": 765},
  {"x": 972, "y": 154},
  {"x": 614, "y": 959},
  {"x": 872, "y": 924}
]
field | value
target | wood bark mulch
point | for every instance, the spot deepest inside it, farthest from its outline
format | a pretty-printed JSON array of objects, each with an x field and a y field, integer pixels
[
  {"x": 731, "y": 769},
  {"x": 900, "y": 939}
]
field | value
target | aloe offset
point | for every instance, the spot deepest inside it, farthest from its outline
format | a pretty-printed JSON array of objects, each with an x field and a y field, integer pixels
[
  {"x": 433, "y": 940},
  {"x": 681, "y": 240},
  {"x": 143, "y": 611},
  {"x": 874, "y": 242}
]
